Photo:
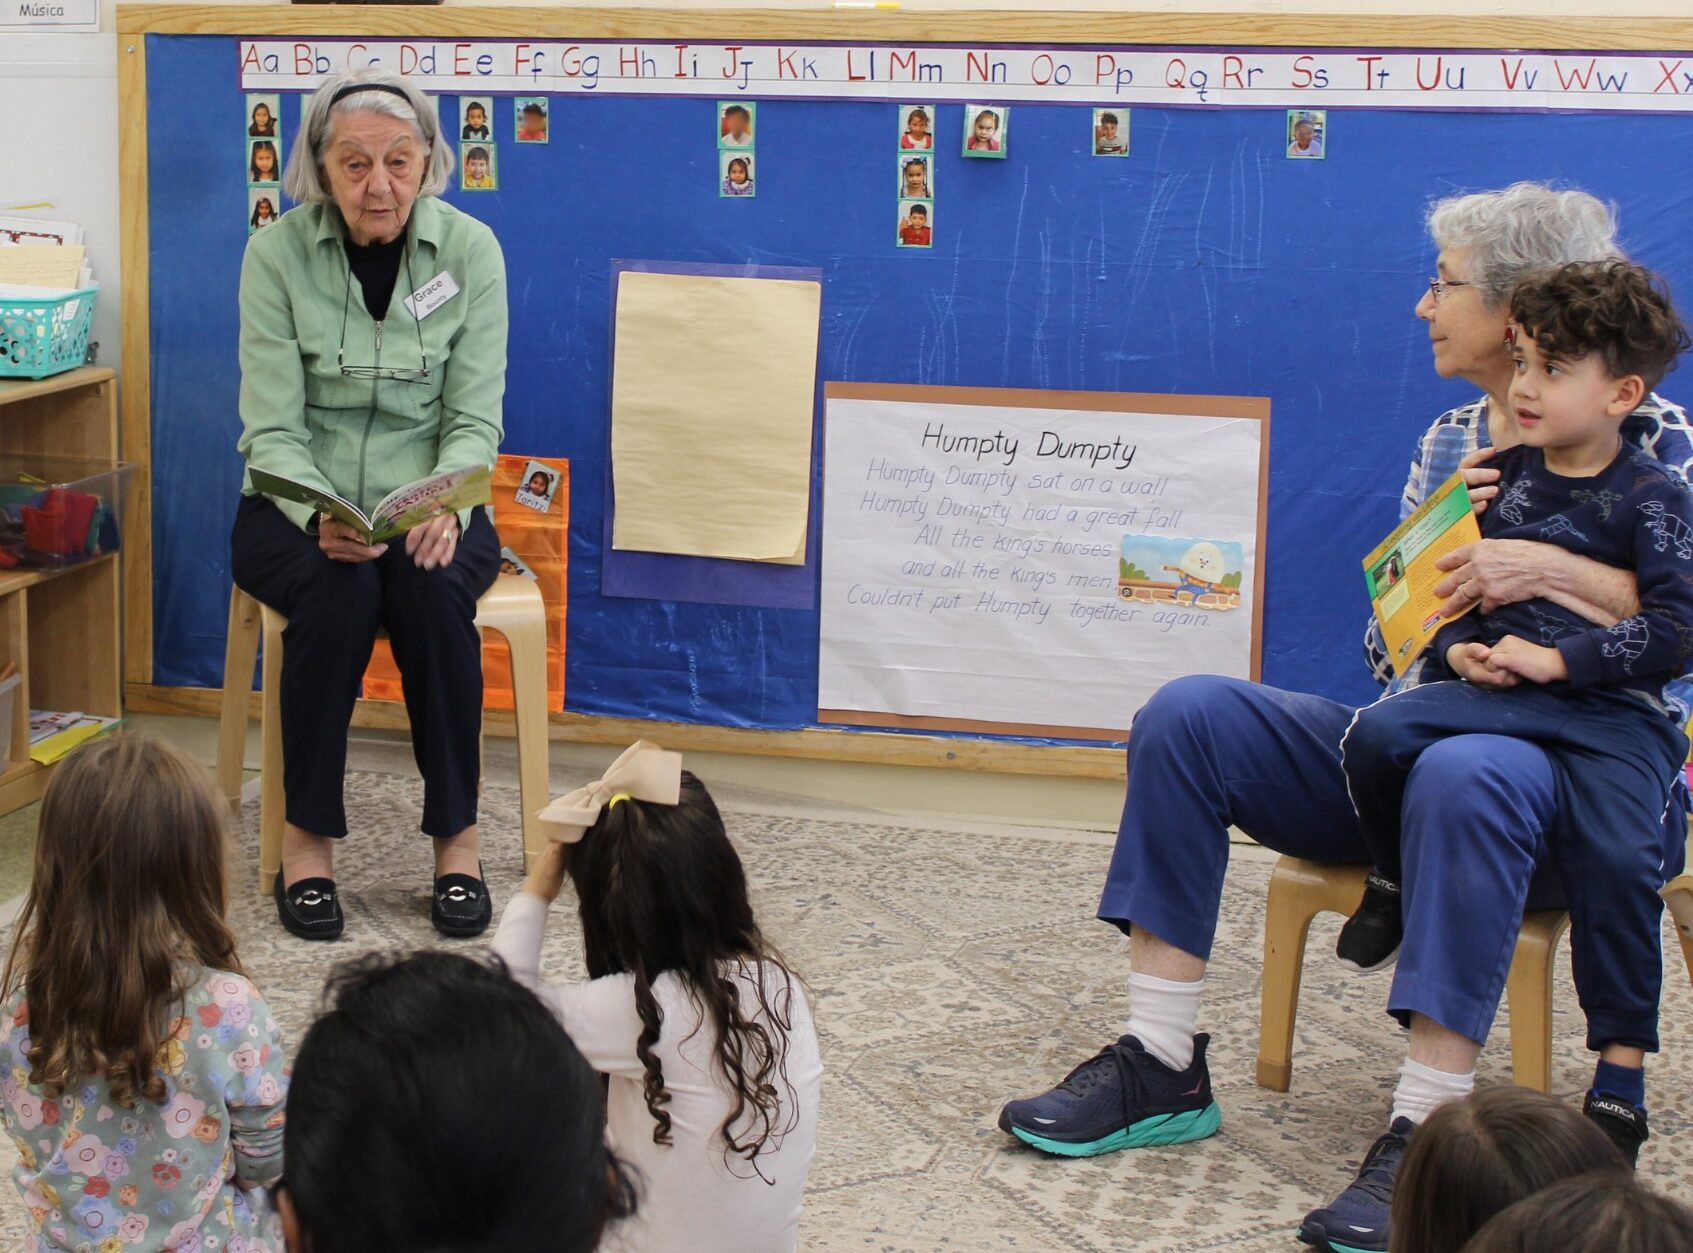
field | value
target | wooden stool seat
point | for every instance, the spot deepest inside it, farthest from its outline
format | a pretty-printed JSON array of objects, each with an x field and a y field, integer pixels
[{"x": 512, "y": 606}]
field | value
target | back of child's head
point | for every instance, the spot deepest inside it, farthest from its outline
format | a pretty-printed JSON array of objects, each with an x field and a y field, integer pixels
[
  {"x": 1616, "y": 310},
  {"x": 1605, "y": 1212},
  {"x": 437, "y": 1105},
  {"x": 1474, "y": 1157},
  {"x": 661, "y": 889},
  {"x": 126, "y": 897}
]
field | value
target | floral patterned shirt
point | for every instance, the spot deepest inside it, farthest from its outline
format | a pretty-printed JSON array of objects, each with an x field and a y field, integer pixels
[{"x": 98, "y": 1177}]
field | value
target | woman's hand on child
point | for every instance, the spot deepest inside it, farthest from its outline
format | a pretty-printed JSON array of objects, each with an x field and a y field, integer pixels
[
  {"x": 434, "y": 542},
  {"x": 1490, "y": 573},
  {"x": 1534, "y": 662},
  {"x": 1470, "y": 662},
  {"x": 1483, "y": 483},
  {"x": 546, "y": 877}
]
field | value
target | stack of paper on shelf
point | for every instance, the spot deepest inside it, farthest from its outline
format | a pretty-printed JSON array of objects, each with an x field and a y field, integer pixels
[{"x": 52, "y": 735}]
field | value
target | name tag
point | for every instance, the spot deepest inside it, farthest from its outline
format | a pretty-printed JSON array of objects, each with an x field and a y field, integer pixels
[{"x": 431, "y": 296}]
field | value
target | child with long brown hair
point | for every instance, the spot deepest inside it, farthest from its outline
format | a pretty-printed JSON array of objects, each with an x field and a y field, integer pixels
[
  {"x": 703, "y": 1030},
  {"x": 1475, "y": 1157},
  {"x": 144, "y": 1076}
]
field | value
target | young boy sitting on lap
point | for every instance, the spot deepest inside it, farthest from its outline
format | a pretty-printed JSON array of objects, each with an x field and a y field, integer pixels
[{"x": 1589, "y": 341}]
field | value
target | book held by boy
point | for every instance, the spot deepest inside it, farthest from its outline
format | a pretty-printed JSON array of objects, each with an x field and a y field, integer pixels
[
  {"x": 397, "y": 512},
  {"x": 1401, "y": 575}
]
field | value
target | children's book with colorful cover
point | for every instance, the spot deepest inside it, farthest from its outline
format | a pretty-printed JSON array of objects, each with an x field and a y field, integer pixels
[
  {"x": 397, "y": 512},
  {"x": 1401, "y": 575}
]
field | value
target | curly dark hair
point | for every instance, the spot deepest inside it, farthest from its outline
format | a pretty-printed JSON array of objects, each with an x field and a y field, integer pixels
[
  {"x": 1616, "y": 309},
  {"x": 660, "y": 888}
]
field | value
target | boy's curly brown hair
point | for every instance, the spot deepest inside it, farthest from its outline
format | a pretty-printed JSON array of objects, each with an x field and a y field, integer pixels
[{"x": 1617, "y": 309}]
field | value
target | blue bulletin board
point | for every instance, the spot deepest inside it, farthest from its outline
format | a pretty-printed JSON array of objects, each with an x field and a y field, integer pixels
[{"x": 1204, "y": 262}]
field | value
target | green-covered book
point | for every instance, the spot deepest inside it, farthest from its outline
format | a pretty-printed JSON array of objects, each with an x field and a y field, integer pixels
[{"x": 397, "y": 512}]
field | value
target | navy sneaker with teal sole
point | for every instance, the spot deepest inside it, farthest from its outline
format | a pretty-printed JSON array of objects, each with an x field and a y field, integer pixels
[
  {"x": 1356, "y": 1221},
  {"x": 1123, "y": 1098}
]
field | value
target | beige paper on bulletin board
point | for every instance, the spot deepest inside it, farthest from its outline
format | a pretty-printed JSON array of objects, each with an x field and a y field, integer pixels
[{"x": 711, "y": 415}]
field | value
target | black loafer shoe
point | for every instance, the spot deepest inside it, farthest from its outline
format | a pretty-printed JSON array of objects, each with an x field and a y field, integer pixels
[
  {"x": 310, "y": 908},
  {"x": 461, "y": 907}
]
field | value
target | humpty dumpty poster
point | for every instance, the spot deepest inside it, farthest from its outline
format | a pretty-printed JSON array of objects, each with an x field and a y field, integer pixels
[{"x": 1034, "y": 563}]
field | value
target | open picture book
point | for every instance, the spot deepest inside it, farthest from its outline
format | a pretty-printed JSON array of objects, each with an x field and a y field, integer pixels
[{"x": 397, "y": 512}]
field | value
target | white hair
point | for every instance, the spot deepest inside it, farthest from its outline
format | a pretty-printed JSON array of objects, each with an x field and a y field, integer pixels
[
  {"x": 304, "y": 181},
  {"x": 1526, "y": 229}
]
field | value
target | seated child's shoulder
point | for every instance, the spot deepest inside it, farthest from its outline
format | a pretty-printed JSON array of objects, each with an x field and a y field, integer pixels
[{"x": 1651, "y": 477}]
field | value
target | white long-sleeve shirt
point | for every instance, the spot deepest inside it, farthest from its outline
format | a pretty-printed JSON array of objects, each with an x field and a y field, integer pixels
[{"x": 691, "y": 1197}]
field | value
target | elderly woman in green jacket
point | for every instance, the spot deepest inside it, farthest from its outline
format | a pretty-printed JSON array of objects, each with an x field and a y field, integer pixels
[{"x": 349, "y": 385}]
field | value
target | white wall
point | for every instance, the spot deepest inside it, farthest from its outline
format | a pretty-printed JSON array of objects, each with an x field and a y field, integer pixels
[{"x": 60, "y": 94}]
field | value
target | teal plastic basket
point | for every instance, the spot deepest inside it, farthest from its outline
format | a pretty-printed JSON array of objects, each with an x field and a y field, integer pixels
[{"x": 43, "y": 337}]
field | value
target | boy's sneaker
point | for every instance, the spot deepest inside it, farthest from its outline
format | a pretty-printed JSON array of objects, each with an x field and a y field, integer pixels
[
  {"x": 1356, "y": 1220},
  {"x": 1623, "y": 1123},
  {"x": 1370, "y": 939},
  {"x": 1124, "y": 1098}
]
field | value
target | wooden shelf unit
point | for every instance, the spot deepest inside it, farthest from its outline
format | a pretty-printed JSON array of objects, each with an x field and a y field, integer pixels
[{"x": 63, "y": 628}]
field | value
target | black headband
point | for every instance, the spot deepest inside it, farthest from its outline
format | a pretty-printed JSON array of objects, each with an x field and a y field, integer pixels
[{"x": 350, "y": 88}]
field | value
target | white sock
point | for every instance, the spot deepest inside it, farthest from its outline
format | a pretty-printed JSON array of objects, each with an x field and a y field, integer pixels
[
  {"x": 1162, "y": 1013},
  {"x": 1422, "y": 1088}
]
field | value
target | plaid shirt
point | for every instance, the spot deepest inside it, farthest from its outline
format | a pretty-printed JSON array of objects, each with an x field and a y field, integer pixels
[{"x": 1658, "y": 427}]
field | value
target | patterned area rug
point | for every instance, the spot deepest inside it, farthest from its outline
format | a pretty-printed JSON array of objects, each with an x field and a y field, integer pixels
[{"x": 952, "y": 968}]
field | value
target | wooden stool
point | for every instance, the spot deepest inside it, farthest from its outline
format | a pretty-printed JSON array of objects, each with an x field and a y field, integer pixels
[
  {"x": 1678, "y": 895},
  {"x": 512, "y": 607},
  {"x": 1300, "y": 890}
]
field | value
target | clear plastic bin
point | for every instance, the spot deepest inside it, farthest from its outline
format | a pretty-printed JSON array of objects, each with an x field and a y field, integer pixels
[{"x": 59, "y": 511}]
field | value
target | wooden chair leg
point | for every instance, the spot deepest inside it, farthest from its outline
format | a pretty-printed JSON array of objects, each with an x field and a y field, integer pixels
[
  {"x": 1678, "y": 895},
  {"x": 273, "y": 808},
  {"x": 526, "y": 640},
  {"x": 239, "y": 654},
  {"x": 1528, "y": 995}
]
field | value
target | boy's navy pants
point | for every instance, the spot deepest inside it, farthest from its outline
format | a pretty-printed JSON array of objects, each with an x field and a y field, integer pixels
[
  {"x": 1207, "y": 753},
  {"x": 334, "y": 611},
  {"x": 1614, "y": 763}
]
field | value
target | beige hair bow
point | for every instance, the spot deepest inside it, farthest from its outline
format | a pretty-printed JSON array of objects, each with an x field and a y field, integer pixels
[{"x": 645, "y": 772}]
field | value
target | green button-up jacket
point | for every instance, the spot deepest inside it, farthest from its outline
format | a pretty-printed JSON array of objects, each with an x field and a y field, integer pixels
[{"x": 360, "y": 437}]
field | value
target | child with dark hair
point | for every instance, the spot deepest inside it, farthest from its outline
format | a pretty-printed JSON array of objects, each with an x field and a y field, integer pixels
[
  {"x": 1107, "y": 142},
  {"x": 984, "y": 133},
  {"x": 263, "y": 123},
  {"x": 1598, "y": 1213},
  {"x": 1590, "y": 340},
  {"x": 737, "y": 177},
  {"x": 143, "y": 1074},
  {"x": 914, "y": 178},
  {"x": 262, "y": 164},
  {"x": 532, "y": 123},
  {"x": 914, "y": 228},
  {"x": 438, "y": 1107},
  {"x": 1475, "y": 1157},
  {"x": 475, "y": 122},
  {"x": 703, "y": 1030},
  {"x": 916, "y": 136},
  {"x": 736, "y": 127},
  {"x": 264, "y": 213}
]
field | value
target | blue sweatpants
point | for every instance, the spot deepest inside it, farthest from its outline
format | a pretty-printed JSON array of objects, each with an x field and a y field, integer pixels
[
  {"x": 1207, "y": 753},
  {"x": 1615, "y": 836}
]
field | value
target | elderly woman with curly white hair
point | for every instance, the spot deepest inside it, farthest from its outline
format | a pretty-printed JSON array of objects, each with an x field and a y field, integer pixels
[
  {"x": 1209, "y": 753},
  {"x": 354, "y": 387}
]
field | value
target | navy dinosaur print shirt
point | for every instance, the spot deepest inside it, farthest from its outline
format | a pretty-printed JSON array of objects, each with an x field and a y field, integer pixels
[{"x": 1633, "y": 514}]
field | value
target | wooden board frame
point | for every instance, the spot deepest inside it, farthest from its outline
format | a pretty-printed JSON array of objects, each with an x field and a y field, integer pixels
[{"x": 135, "y": 21}]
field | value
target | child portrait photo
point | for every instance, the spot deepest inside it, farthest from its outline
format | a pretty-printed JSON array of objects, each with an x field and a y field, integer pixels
[
  {"x": 916, "y": 127},
  {"x": 262, "y": 115},
  {"x": 984, "y": 130},
  {"x": 474, "y": 117},
  {"x": 262, "y": 208},
  {"x": 530, "y": 115},
  {"x": 264, "y": 166},
  {"x": 737, "y": 174},
  {"x": 477, "y": 169},
  {"x": 916, "y": 223},
  {"x": 539, "y": 484},
  {"x": 1110, "y": 132},
  {"x": 511, "y": 563},
  {"x": 1305, "y": 129},
  {"x": 916, "y": 177},
  {"x": 734, "y": 124}
]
